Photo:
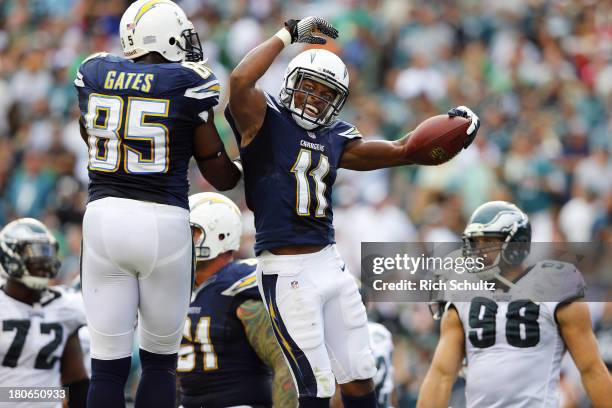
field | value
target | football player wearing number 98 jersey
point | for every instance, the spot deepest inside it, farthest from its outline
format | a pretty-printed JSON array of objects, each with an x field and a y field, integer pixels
[
  {"x": 514, "y": 347},
  {"x": 39, "y": 341},
  {"x": 291, "y": 149},
  {"x": 144, "y": 115}
]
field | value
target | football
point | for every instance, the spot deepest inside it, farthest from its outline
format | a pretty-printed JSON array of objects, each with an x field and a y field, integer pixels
[{"x": 437, "y": 140}]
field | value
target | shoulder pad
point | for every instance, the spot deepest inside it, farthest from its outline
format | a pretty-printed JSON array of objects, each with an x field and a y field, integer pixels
[
  {"x": 101, "y": 57},
  {"x": 558, "y": 281},
  {"x": 240, "y": 276},
  {"x": 272, "y": 102},
  {"x": 201, "y": 82},
  {"x": 378, "y": 332},
  {"x": 71, "y": 304},
  {"x": 248, "y": 261},
  {"x": 88, "y": 71},
  {"x": 243, "y": 283},
  {"x": 346, "y": 130},
  {"x": 94, "y": 56}
]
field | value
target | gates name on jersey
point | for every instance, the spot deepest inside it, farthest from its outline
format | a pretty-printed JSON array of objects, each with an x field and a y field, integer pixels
[
  {"x": 217, "y": 366},
  {"x": 33, "y": 338},
  {"x": 520, "y": 335},
  {"x": 292, "y": 204},
  {"x": 140, "y": 119}
]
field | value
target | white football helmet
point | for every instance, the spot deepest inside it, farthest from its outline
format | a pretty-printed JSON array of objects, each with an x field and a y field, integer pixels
[
  {"x": 219, "y": 220},
  {"x": 321, "y": 66},
  {"x": 159, "y": 26}
]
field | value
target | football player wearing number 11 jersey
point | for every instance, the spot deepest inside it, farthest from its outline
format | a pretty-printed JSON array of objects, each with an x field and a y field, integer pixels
[
  {"x": 144, "y": 115},
  {"x": 291, "y": 149}
]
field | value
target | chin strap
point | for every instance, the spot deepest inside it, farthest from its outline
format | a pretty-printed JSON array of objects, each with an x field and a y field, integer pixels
[{"x": 34, "y": 282}]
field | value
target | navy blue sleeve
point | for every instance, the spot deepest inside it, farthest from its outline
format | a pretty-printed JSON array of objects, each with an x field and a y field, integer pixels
[
  {"x": 343, "y": 133},
  {"x": 243, "y": 280},
  {"x": 346, "y": 131},
  {"x": 202, "y": 90}
]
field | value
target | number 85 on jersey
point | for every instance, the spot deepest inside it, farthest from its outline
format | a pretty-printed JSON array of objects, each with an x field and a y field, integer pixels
[{"x": 104, "y": 122}]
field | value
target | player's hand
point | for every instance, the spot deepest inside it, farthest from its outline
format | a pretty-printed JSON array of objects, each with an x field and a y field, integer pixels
[
  {"x": 302, "y": 31},
  {"x": 11, "y": 262},
  {"x": 466, "y": 112}
]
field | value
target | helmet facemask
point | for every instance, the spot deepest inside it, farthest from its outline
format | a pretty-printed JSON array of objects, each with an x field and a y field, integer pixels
[
  {"x": 294, "y": 83},
  {"x": 38, "y": 261},
  {"x": 509, "y": 250},
  {"x": 488, "y": 252},
  {"x": 202, "y": 252},
  {"x": 192, "y": 46}
]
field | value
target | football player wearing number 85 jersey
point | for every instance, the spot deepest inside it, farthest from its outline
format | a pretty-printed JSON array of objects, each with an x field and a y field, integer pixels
[
  {"x": 291, "y": 149},
  {"x": 514, "y": 347},
  {"x": 144, "y": 115}
]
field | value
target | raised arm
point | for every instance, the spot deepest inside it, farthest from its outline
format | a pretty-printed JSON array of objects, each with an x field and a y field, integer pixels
[
  {"x": 247, "y": 103},
  {"x": 258, "y": 329},
  {"x": 436, "y": 389},
  {"x": 575, "y": 326},
  {"x": 378, "y": 154}
]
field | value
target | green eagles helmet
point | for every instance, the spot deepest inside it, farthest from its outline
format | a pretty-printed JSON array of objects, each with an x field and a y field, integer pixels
[
  {"x": 29, "y": 253},
  {"x": 503, "y": 220}
]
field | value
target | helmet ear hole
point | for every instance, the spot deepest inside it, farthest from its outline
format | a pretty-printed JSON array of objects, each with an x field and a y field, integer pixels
[
  {"x": 172, "y": 41},
  {"x": 221, "y": 237}
]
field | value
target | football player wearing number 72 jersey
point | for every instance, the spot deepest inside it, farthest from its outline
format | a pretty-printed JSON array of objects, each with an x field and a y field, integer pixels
[
  {"x": 291, "y": 149},
  {"x": 39, "y": 341},
  {"x": 144, "y": 115},
  {"x": 514, "y": 347}
]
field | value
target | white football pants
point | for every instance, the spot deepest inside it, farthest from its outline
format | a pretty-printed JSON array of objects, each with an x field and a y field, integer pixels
[
  {"x": 136, "y": 266},
  {"x": 318, "y": 318}
]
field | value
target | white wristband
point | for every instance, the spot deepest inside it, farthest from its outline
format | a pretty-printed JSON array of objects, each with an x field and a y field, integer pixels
[{"x": 284, "y": 36}]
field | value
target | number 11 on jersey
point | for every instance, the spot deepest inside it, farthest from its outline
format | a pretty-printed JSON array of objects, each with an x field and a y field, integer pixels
[{"x": 300, "y": 169}]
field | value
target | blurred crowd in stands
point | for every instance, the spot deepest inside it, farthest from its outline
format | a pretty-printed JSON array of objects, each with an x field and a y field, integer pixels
[{"x": 538, "y": 73}]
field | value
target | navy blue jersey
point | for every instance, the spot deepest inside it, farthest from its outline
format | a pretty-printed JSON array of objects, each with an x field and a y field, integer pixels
[
  {"x": 140, "y": 119},
  {"x": 288, "y": 177},
  {"x": 217, "y": 365}
]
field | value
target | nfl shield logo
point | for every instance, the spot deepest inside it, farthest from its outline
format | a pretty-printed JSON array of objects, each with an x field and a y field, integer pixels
[{"x": 311, "y": 135}]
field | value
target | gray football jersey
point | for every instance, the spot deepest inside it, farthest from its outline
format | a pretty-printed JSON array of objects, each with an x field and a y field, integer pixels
[{"x": 513, "y": 346}]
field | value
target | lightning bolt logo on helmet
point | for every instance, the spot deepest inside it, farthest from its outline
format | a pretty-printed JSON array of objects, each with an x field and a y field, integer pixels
[{"x": 146, "y": 27}]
